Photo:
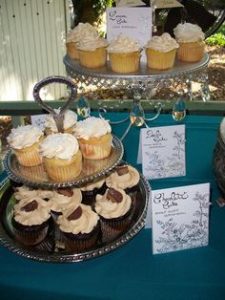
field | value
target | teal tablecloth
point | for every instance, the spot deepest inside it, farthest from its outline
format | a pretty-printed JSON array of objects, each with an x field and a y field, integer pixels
[{"x": 132, "y": 272}]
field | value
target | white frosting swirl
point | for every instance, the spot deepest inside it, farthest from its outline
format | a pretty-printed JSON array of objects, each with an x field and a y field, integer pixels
[
  {"x": 91, "y": 186},
  {"x": 34, "y": 217},
  {"x": 187, "y": 32},
  {"x": 92, "y": 127},
  {"x": 80, "y": 31},
  {"x": 85, "y": 224},
  {"x": 127, "y": 180},
  {"x": 59, "y": 145},
  {"x": 91, "y": 43},
  {"x": 108, "y": 209},
  {"x": 162, "y": 43},
  {"x": 123, "y": 44},
  {"x": 61, "y": 202},
  {"x": 70, "y": 119},
  {"x": 24, "y": 136}
]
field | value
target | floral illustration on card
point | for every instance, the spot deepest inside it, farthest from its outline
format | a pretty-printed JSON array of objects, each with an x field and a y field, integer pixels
[{"x": 178, "y": 236}]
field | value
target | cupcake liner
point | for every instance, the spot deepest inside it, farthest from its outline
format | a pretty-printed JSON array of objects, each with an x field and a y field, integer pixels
[
  {"x": 29, "y": 156},
  {"x": 88, "y": 197},
  {"x": 191, "y": 52},
  {"x": 30, "y": 235},
  {"x": 81, "y": 242},
  {"x": 93, "y": 59},
  {"x": 72, "y": 50},
  {"x": 160, "y": 60},
  {"x": 125, "y": 62}
]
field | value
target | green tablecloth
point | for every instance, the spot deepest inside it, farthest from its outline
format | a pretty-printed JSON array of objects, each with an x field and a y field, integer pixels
[{"x": 132, "y": 272}]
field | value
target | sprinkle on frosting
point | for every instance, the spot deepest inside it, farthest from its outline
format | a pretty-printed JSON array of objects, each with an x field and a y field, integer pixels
[
  {"x": 59, "y": 145},
  {"x": 123, "y": 44},
  {"x": 162, "y": 43},
  {"x": 24, "y": 136},
  {"x": 188, "y": 32},
  {"x": 70, "y": 119},
  {"x": 92, "y": 127}
]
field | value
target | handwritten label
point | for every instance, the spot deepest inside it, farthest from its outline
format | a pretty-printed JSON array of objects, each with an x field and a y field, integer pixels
[
  {"x": 162, "y": 151},
  {"x": 180, "y": 218}
]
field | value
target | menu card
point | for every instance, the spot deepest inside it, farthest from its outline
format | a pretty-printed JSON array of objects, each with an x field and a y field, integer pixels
[
  {"x": 180, "y": 218},
  {"x": 162, "y": 151}
]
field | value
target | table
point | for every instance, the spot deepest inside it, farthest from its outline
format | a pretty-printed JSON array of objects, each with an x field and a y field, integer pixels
[{"x": 132, "y": 272}]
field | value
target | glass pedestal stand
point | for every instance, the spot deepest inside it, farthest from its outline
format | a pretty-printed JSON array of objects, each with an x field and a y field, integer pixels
[{"x": 143, "y": 82}]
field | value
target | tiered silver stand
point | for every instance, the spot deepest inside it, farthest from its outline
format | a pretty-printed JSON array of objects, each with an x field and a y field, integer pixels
[{"x": 141, "y": 84}]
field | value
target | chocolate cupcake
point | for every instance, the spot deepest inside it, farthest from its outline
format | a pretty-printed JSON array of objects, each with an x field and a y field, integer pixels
[
  {"x": 124, "y": 177},
  {"x": 80, "y": 228},
  {"x": 31, "y": 220},
  {"x": 90, "y": 190},
  {"x": 114, "y": 209}
]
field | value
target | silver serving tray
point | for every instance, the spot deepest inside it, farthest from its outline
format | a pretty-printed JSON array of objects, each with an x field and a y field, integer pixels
[
  {"x": 37, "y": 177},
  {"x": 48, "y": 250}
]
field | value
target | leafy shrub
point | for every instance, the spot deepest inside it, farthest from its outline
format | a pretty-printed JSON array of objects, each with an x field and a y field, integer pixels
[{"x": 217, "y": 38}]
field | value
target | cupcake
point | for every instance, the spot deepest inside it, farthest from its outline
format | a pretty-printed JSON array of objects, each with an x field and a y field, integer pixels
[
  {"x": 161, "y": 52},
  {"x": 63, "y": 198},
  {"x": 80, "y": 228},
  {"x": 92, "y": 51},
  {"x": 124, "y": 177},
  {"x": 23, "y": 192},
  {"x": 69, "y": 122},
  {"x": 25, "y": 142},
  {"x": 31, "y": 220},
  {"x": 124, "y": 55},
  {"x": 94, "y": 137},
  {"x": 75, "y": 35},
  {"x": 191, "y": 42},
  {"x": 62, "y": 158},
  {"x": 114, "y": 208},
  {"x": 90, "y": 190}
]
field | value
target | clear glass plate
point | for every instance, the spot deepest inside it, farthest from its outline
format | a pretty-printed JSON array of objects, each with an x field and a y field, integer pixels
[
  {"x": 51, "y": 251},
  {"x": 37, "y": 177}
]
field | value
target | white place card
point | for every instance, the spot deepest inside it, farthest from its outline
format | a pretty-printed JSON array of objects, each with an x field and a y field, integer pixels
[
  {"x": 134, "y": 22},
  {"x": 180, "y": 218},
  {"x": 38, "y": 120},
  {"x": 162, "y": 151}
]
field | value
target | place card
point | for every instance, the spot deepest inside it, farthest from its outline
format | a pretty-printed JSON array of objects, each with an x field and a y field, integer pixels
[
  {"x": 134, "y": 22},
  {"x": 180, "y": 218},
  {"x": 162, "y": 151},
  {"x": 38, "y": 120}
]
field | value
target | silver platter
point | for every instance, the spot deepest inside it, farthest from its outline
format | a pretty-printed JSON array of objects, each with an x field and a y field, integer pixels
[
  {"x": 37, "y": 177},
  {"x": 75, "y": 70},
  {"x": 47, "y": 251}
]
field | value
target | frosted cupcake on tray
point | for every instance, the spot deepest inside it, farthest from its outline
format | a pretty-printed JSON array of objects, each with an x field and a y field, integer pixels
[
  {"x": 69, "y": 122},
  {"x": 124, "y": 54},
  {"x": 161, "y": 52},
  {"x": 77, "y": 34},
  {"x": 25, "y": 142},
  {"x": 62, "y": 158},
  {"x": 94, "y": 138},
  {"x": 123, "y": 177},
  {"x": 191, "y": 42},
  {"x": 92, "y": 51},
  {"x": 79, "y": 227},
  {"x": 31, "y": 220}
]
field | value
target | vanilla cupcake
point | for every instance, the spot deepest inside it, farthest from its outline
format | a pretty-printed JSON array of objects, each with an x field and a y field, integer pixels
[
  {"x": 75, "y": 35},
  {"x": 79, "y": 227},
  {"x": 191, "y": 42},
  {"x": 31, "y": 220},
  {"x": 161, "y": 52},
  {"x": 124, "y": 54},
  {"x": 92, "y": 51},
  {"x": 94, "y": 137},
  {"x": 114, "y": 208},
  {"x": 25, "y": 141},
  {"x": 124, "y": 177},
  {"x": 69, "y": 122},
  {"x": 62, "y": 158}
]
